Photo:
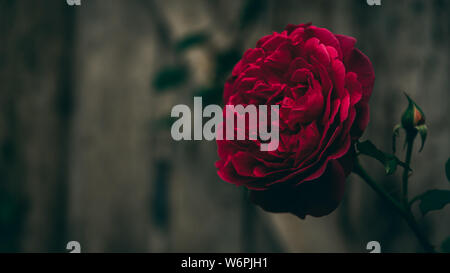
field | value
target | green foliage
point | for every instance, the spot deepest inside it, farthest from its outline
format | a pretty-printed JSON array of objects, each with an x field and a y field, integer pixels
[
  {"x": 191, "y": 40},
  {"x": 433, "y": 200},
  {"x": 169, "y": 77},
  {"x": 445, "y": 247},
  {"x": 210, "y": 95},
  {"x": 251, "y": 11},
  {"x": 225, "y": 61},
  {"x": 389, "y": 161},
  {"x": 12, "y": 216}
]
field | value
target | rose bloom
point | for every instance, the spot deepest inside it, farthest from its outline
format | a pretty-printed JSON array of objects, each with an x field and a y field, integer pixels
[{"x": 322, "y": 85}]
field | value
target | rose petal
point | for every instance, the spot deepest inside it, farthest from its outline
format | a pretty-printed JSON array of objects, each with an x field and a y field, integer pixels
[
  {"x": 317, "y": 198},
  {"x": 359, "y": 63}
]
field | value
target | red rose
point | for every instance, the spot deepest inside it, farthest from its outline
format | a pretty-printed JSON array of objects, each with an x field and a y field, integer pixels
[{"x": 322, "y": 85}]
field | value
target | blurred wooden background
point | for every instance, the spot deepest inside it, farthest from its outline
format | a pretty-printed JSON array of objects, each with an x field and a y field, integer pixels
[{"x": 83, "y": 154}]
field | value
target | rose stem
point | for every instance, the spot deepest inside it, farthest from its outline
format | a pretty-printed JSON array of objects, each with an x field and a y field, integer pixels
[
  {"x": 406, "y": 214},
  {"x": 406, "y": 171}
]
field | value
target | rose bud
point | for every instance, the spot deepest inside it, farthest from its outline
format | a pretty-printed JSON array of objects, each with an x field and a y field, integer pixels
[
  {"x": 413, "y": 115},
  {"x": 322, "y": 85},
  {"x": 413, "y": 122}
]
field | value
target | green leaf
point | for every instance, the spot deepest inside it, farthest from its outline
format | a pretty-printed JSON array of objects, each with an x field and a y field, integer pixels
[
  {"x": 447, "y": 169},
  {"x": 191, "y": 40},
  {"x": 433, "y": 200},
  {"x": 446, "y": 245},
  {"x": 389, "y": 161},
  {"x": 170, "y": 77},
  {"x": 423, "y": 131}
]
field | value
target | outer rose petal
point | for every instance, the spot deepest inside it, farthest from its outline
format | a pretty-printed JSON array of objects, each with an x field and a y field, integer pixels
[
  {"x": 316, "y": 198},
  {"x": 347, "y": 44},
  {"x": 325, "y": 36},
  {"x": 362, "y": 120},
  {"x": 360, "y": 64}
]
